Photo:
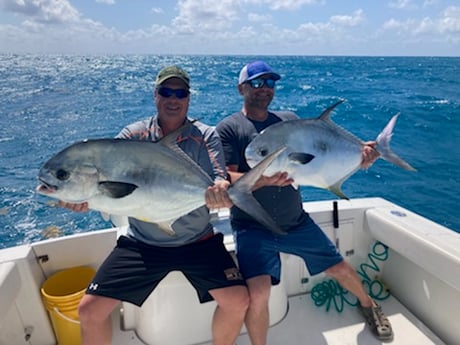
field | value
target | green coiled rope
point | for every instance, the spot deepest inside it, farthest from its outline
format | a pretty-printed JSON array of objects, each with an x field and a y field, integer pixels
[{"x": 331, "y": 293}]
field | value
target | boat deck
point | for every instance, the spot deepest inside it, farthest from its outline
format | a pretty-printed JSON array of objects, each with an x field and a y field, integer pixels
[{"x": 307, "y": 324}]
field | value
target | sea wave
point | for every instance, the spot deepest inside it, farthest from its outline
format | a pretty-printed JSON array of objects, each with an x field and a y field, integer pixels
[{"x": 48, "y": 102}]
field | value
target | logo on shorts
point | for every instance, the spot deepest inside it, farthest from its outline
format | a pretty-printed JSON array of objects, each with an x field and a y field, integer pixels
[
  {"x": 233, "y": 274},
  {"x": 93, "y": 286}
]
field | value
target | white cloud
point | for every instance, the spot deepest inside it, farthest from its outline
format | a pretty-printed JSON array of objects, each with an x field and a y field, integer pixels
[
  {"x": 447, "y": 23},
  {"x": 282, "y": 4},
  {"x": 45, "y": 11},
  {"x": 427, "y": 3},
  {"x": 291, "y": 4},
  {"x": 259, "y": 18},
  {"x": 349, "y": 20},
  {"x": 207, "y": 15},
  {"x": 444, "y": 28},
  {"x": 226, "y": 27},
  {"x": 108, "y": 2},
  {"x": 403, "y": 5},
  {"x": 392, "y": 24},
  {"x": 157, "y": 10},
  {"x": 450, "y": 20}
]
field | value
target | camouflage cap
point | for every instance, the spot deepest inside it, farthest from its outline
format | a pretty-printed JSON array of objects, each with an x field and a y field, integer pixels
[{"x": 172, "y": 72}]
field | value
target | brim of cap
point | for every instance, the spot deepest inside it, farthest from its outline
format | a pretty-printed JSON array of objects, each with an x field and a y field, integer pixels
[
  {"x": 274, "y": 75},
  {"x": 162, "y": 80}
]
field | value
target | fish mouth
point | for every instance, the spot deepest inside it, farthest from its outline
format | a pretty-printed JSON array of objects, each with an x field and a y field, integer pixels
[
  {"x": 251, "y": 162},
  {"x": 46, "y": 188}
]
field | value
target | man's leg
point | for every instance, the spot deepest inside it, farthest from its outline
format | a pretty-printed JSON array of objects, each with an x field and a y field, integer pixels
[
  {"x": 96, "y": 326},
  {"x": 348, "y": 279},
  {"x": 258, "y": 318},
  {"x": 232, "y": 303}
]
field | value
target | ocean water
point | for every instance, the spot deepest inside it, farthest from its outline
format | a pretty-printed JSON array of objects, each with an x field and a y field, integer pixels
[{"x": 48, "y": 102}]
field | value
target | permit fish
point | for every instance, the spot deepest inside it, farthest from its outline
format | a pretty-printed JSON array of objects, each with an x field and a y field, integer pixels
[
  {"x": 318, "y": 153},
  {"x": 151, "y": 181}
]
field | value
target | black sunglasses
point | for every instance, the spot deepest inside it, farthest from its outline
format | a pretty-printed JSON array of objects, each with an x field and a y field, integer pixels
[
  {"x": 167, "y": 92},
  {"x": 260, "y": 82}
]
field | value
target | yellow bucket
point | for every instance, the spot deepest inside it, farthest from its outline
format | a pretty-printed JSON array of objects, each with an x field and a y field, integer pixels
[{"x": 61, "y": 294}]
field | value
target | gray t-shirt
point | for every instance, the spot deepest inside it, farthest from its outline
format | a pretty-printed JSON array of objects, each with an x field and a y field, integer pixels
[
  {"x": 202, "y": 144},
  {"x": 284, "y": 204}
]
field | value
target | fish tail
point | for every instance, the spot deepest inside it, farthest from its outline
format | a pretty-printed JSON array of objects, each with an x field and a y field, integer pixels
[
  {"x": 383, "y": 146},
  {"x": 241, "y": 194}
]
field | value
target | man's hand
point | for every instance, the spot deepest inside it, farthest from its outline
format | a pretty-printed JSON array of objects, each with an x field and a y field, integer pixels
[
  {"x": 217, "y": 197},
  {"x": 83, "y": 207},
  {"x": 369, "y": 154},
  {"x": 279, "y": 179}
]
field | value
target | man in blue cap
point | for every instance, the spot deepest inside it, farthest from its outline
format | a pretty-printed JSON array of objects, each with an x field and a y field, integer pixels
[{"x": 258, "y": 250}]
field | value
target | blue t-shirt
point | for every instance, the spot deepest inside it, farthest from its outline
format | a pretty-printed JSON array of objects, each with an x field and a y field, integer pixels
[
  {"x": 202, "y": 144},
  {"x": 284, "y": 204}
]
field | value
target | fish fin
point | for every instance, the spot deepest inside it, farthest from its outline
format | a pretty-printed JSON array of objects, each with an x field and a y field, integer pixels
[
  {"x": 116, "y": 189},
  {"x": 300, "y": 157},
  {"x": 326, "y": 114},
  {"x": 383, "y": 146},
  {"x": 241, "y": 195},
  {"x": 170, "y": 140},
  {"x": 118, "y": 220},
  {"x": 337, "y": 190},
  {"x": 246, "y": 202},
  {"x": 105, "y": 216},
  {"x": 166, "y": 227}
]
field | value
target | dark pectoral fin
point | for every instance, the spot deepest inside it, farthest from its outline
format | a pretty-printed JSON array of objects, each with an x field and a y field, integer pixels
[
  {"x": 116, "y": 189},
  {"x": 300, "y": 157}
]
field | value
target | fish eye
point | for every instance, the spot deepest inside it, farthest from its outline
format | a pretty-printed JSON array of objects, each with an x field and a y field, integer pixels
[
  {"x": 263, "y": 152},
  {"x": 62, "y": 175}
]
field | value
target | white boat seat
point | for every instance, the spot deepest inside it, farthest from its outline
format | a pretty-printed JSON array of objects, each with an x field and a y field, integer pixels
[{"x": 173, "y": 315}]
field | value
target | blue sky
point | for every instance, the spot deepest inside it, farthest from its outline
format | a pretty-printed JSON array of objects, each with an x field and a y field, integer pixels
[{"x": 261, "y": 27}]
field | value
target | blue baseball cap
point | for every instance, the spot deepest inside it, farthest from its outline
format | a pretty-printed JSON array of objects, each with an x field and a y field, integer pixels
[{"x": 256, "y": 69}]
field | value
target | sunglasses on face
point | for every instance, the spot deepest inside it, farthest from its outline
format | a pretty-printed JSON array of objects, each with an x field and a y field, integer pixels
[
  {"x": 260, "y": 82},
  {"x": 167, "y": 92}
]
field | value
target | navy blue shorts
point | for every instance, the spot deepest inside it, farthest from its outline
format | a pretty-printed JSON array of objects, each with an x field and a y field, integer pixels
[
  {"x": 133, "y": 269},
  {"x": 258, "y": 251}
]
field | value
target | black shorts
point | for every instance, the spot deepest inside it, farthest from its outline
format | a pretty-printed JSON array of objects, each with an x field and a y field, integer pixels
[{"x": 133, "y": 269}]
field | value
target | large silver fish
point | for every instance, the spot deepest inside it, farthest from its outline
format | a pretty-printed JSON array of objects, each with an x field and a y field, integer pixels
[
  {"x": 151, "y": 181},
  {"x": 318, "y": 152}
]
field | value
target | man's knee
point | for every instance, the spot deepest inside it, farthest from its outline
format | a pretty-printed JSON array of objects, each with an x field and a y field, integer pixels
[
  {"x": 341, "y": 269},
  {"x": 84, "y": 309},
  {"x": 232, "y": 298},
  {"x": 259, "y": 290},
  {"x": 94, "y": 309}
]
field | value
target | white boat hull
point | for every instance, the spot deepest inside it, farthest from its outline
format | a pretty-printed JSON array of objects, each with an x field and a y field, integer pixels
[{"x": 421, "y": 273}]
